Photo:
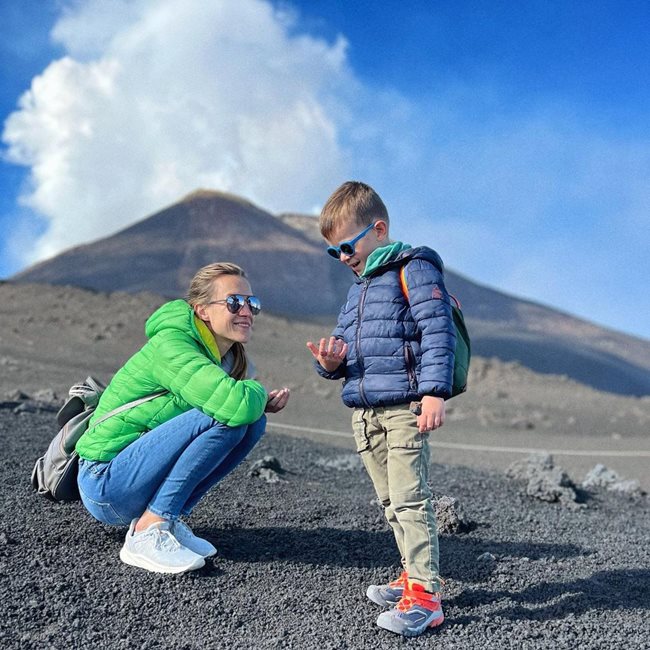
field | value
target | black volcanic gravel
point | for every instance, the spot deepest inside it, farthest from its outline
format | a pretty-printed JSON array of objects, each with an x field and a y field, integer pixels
[{"x": 295, "y": 558}]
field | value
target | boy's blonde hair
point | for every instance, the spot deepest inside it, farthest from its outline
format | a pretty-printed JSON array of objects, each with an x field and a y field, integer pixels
[
  {"x": 353, "y": 202},
  {"x": 200, "y": 293}
]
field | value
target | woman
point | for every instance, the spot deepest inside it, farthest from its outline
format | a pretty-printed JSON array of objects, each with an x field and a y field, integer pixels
[{"x": 207, "y": 419}]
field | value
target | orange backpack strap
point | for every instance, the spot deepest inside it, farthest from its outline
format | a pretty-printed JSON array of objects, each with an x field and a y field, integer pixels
[{"x": 402, "y": 281}]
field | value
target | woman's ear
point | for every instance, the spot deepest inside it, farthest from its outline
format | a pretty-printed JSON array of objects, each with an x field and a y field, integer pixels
[{"x": 202, "y": 312}]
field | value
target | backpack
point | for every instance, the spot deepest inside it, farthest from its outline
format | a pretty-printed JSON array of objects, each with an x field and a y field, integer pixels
[
  {"x": 463, "y": 351},
  {"x": 55, "y": 473}
]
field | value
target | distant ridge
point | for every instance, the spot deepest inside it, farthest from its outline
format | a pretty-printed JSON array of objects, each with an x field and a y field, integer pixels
[{"x": 285, "y": 261}]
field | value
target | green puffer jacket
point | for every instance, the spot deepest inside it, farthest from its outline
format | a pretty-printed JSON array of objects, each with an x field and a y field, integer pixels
[{"x": 177, "y": 357}]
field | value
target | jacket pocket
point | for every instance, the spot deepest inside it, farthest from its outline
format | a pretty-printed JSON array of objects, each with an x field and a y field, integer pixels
[
  {"x": 402, "y": 430},
  {"x": 409, "y": 360}
]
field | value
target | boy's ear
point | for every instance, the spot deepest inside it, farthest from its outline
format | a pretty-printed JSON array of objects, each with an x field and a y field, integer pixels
[{"x": 381, "y": 228}]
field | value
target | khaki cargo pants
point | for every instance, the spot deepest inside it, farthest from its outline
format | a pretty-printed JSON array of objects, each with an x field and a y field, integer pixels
[{"x": 396, "y": 456}]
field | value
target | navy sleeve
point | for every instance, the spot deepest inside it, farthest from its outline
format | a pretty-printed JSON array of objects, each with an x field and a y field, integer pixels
[{"x": 431, "y": 308}]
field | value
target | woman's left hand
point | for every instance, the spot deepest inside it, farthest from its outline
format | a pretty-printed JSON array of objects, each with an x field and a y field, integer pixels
[{"x": 277, "y": 400}]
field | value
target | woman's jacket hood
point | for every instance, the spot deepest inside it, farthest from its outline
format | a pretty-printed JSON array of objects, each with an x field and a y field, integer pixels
[{"x": 178, "y": 315}]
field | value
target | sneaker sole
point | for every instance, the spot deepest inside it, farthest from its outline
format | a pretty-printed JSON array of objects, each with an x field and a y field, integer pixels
[
  {"x": 144, "y": 563},
  {"x": 388, "y": 624},
  {"x": 373, "y": 594}
]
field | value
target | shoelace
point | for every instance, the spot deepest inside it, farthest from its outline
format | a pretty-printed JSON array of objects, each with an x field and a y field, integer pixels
[
  {"x": 402, "y": 581},
  {"x": 164, "y": 540}
]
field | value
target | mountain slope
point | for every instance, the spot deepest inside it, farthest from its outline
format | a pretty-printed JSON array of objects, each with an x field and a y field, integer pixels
[
  {"x": 285, "y": 261},
  {"x": 162, "y": 252}
]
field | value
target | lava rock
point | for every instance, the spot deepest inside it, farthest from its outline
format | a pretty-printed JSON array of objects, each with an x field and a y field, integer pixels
[
  {"x": 268, "y": 468},
  {"x": 17, "y": 395},
  {"x": 545, "y": 481},
  {"x": 603, "y": 477},
  {"x": 449, "y": 516}
]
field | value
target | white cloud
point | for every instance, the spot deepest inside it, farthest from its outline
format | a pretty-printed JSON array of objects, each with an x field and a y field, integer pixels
[
  {"x": 159, "y": 97},
  {"x": 87, "y": 27}
]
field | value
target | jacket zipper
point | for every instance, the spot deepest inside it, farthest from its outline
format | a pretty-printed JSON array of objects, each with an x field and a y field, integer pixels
[{"x": 362, "y": 301}]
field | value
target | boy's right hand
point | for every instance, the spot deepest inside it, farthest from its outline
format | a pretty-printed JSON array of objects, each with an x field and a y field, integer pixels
[{"x": 329, "y": 354}]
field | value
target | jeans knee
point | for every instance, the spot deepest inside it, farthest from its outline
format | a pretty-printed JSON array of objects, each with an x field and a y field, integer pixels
[
  {"x": 221, "y": 434},
  {"x": 258, "y": 428}
]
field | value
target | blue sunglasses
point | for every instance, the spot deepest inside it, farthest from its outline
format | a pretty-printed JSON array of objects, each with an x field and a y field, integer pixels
[{"x": 347, "y": 247}]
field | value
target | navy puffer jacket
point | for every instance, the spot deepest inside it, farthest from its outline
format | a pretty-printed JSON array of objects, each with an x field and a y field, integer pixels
[{"x": 398, "y": 350}]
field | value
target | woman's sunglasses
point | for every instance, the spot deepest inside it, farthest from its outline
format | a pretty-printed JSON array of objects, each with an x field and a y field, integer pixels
[
  {"x": 347, "y": 247},
  {"x": 235, "y": 302}
]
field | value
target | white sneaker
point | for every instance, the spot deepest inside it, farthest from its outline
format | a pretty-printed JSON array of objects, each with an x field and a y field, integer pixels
[
  {"x": 156, "y": 549},
  {"x": 183, "y": 533}
]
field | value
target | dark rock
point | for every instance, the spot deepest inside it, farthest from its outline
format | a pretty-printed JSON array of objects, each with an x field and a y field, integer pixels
[
  {"x": 527, "y": 467},
  {"x": 545, "y": 481},
  {"x": 268, "y": 468},
  {"x": 602, "y": 477},
  {"x": 17, "y": 395},
  {"x": 26, "y": 407},
  {"x": 47, "y": 396},
  {"x": 35, "y": 407},
  {"x": 449, "y": 516},
  {"x": 627, "y": 487}
]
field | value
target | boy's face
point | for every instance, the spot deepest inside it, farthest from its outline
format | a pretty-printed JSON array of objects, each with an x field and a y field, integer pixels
[{"x": 373, "y": 239}]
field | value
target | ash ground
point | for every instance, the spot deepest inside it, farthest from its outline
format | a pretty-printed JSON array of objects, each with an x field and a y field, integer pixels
[{"x": 295, "y": 558}]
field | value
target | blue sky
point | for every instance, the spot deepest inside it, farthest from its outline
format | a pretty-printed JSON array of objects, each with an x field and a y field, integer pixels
[{"x": 512, "y": 137}]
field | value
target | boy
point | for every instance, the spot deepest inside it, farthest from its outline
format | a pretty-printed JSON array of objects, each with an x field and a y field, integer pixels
[{"x": 396, "y": 355}]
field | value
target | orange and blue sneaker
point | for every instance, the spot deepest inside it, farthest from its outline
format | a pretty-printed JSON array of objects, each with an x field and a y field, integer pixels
[
  {"x": 388, "y": 595},
  {"x": 416, "y": 611}
]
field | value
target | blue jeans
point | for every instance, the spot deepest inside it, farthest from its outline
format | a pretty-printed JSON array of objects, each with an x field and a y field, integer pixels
[{"x": 166, "y": 471}]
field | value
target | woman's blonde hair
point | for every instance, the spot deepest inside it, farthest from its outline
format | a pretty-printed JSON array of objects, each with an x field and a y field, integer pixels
[{"x": 200, "y": 293}]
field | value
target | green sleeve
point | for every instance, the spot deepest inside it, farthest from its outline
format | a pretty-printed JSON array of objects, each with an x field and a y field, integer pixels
[{"x": 181, "y": 366}]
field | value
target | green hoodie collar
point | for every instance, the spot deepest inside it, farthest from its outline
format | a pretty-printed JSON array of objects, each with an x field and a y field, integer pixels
[
  {"x": 381, "y": 256},
  {"x": 207, "y": 337}
]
